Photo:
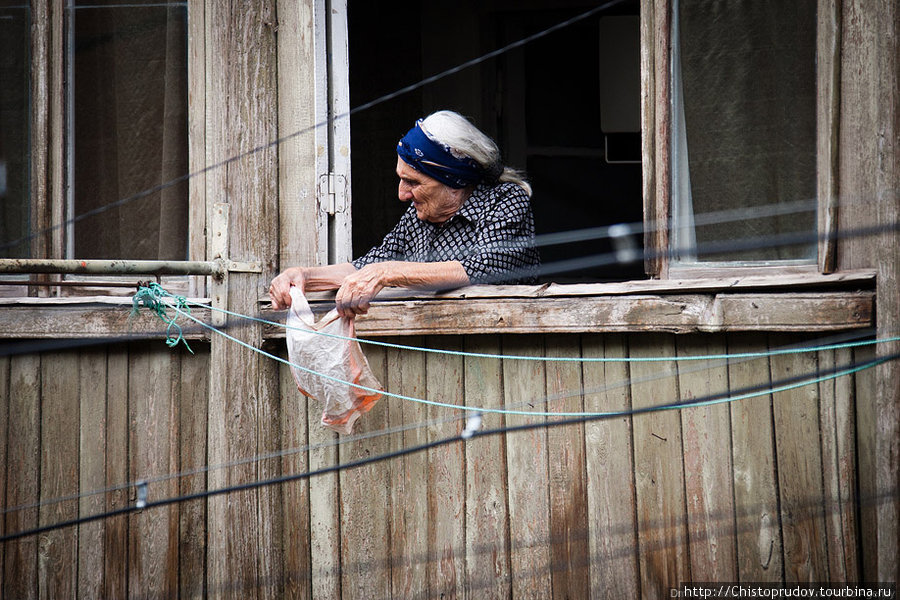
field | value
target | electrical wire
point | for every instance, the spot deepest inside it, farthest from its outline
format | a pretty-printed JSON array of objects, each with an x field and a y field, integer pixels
[{"x": 468, "y": 434}]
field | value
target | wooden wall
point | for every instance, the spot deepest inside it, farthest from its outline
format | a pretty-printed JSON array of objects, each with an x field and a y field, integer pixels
[{"x": 777, "y": 488}]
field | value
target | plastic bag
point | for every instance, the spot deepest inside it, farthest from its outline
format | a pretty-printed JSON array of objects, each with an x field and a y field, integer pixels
[{"x": 338, "y": 358}]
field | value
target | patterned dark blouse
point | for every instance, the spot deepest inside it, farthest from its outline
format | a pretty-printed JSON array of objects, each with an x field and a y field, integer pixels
[{"x": 492, "y": 235}]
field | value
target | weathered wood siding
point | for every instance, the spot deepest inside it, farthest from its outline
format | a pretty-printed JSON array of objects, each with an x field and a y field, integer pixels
[{"x": 775, "y": 488}]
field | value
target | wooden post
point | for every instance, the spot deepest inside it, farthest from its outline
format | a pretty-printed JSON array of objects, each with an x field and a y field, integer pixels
[
  {"x": 241, "y": 120},
  {"x": 887, "y": 250}
]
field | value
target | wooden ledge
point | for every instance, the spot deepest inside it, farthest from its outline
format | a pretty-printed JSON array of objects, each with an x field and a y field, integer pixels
[
  {"x": 787, "y": 303},
  {"x": 681, "y": 313}
]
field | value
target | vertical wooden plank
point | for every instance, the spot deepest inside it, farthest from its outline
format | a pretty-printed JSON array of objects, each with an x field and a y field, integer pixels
[
  {"x": 866, "y": 383},
  {"x": 828, "y": 109},
  {"x": 488, "y": 572},
  {"x": 409, "y": 484},
  {"x": 799, "y": 456},
  {"x": 659, "y": 469},
  {"x": 57, "y": 558},
  {"x": 340, "y": 227},
  {"x": 655, "y": 122},
  {"x": 649, "y": 132},
  {"x": 4, "y": 464},
  {"x": 241, "y": 120},
  {"x": 20, "y": 577},
  {"x": 857, "y": 156},
  {"x": 887, "y": 249},
  {"x": 759, "y": 543},
  {"x": 836, "y": 400},
  {"x": 446, "y": 474},
  {"x": 708, "y": 478},
  {"x": 295, "y": 508},
  {"x": 192, "y": 411},
  {"x": 92, "y": 470},
  {"x": 117, "y": 463},
  {"x": 612, "y": 527},
  {"x": 270, "y": 497},
  {"x": 152, "y": 541},
  {"x": 366, "y": 502},
  {"x": 569, "y": 548},
  {"x": 298, "y": 234},
  {"x": 526, "y": 463},
  {"x": 47, "y": 129},
  {"x": 324, "y": 506},
  {"x": 196, "y": 140},
  {"x": 43, "y": 96}
]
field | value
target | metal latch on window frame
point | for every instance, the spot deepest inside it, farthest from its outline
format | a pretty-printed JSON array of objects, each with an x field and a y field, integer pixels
[{"x": 332, "y": 193}]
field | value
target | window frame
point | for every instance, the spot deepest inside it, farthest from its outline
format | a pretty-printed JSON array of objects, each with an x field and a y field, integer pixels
[
  {"x": 49, "y": 185},
  {"x": 656, "y": 141}
]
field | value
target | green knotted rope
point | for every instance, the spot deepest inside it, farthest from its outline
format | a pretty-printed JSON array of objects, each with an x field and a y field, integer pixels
[{"x": 153, "y": 296}]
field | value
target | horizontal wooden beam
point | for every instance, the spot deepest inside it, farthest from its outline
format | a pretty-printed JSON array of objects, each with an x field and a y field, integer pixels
[
  {"x": 679, "y": 313},
  {"x": 828, "y": 311},
  {"x": 89, "y": 320}
]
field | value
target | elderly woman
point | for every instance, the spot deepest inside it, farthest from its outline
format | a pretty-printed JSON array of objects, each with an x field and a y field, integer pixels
[{"x": 469, "y": 222}]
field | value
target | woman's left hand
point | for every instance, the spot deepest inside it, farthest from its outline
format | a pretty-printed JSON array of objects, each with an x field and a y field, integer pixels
[{"x": 358, "y": 289}]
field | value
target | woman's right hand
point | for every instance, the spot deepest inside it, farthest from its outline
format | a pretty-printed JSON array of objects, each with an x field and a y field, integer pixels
[{"x": 280, "y": 288}]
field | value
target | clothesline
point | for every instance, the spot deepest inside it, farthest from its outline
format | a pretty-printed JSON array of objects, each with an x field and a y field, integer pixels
[{"x": 505, "y": 411}]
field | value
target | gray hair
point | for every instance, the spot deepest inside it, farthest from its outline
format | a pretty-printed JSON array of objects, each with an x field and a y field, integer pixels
[{"x": 454, "y": 130}]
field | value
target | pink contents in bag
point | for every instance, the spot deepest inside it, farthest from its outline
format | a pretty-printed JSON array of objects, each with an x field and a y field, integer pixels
[{"x": 339, "y": 359}]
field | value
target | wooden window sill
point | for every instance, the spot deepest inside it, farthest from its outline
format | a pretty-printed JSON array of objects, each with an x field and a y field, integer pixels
[
  {"x": 840, "y": 301},
  {"x": 797, "y": 302}
]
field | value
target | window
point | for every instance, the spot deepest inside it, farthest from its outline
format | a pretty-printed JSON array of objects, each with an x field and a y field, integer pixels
[
  {"x": 565, "y": 108},
  {"x": 743, "y": 130},
  {"x": 122, "y": 137}
]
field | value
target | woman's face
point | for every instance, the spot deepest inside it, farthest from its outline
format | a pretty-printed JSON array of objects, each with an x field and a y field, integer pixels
[{"x": 434, "y": 201}]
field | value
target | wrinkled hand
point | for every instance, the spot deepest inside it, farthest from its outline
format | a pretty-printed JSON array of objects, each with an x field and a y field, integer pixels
[
  {"x": 280, "y": 288},
  {"x": 358, "y": 289}
]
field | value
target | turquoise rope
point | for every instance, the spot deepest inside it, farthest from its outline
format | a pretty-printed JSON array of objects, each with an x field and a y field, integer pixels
[
  {"x": 627, "y": 359},
  {"x": 504, "y": 411},
  {"x": 151, "y": 296}
]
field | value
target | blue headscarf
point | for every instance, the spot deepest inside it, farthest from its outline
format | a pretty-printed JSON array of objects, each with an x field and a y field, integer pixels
[{"x": 437, "y": 160}]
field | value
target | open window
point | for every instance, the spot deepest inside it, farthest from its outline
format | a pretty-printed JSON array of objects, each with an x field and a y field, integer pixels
[{"x": 565, "y": 108}]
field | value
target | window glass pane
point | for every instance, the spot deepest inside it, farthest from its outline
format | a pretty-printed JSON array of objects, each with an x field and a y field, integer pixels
[
  {"x": 744, "y": 132},
  {"x": 15, "y": 24},
  {"x": 128, "y": 122}
]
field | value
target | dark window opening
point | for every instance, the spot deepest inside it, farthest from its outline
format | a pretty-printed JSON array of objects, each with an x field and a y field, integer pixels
[
  {"x": 15, "y": 116},
  {"x": 564, "y": 108}
]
